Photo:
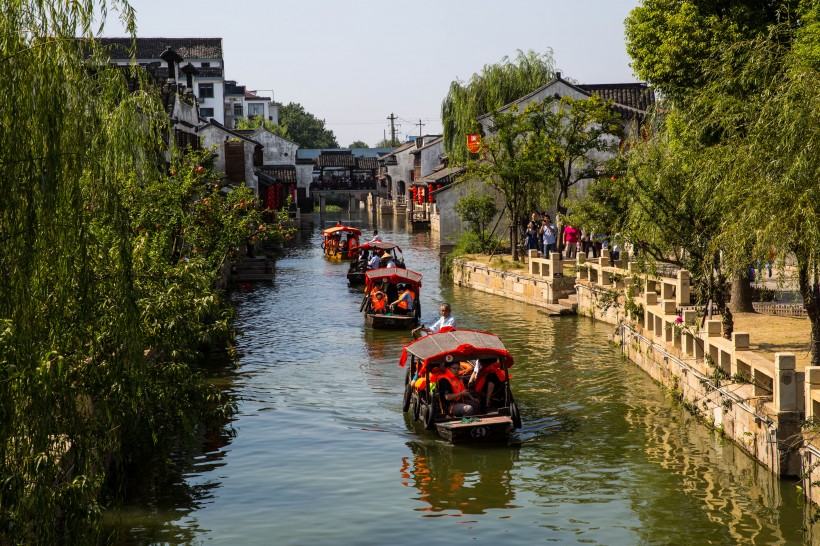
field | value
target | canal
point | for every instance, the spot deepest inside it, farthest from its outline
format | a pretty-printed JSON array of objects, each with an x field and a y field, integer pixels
[{"x": 320, "y": 452}]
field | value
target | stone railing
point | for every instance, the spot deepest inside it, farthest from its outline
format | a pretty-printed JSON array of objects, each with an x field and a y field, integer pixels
[{"x": 753, "y": 399}]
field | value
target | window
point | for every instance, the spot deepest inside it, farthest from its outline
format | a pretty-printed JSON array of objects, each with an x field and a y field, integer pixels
[
  {"x": 205, "y": 65},
  {"x": 256, "y": 110},
  {"x": 206, "y": 90},
  {"x": 237, "y": 109},
  {"x": 206, "y": 112}
]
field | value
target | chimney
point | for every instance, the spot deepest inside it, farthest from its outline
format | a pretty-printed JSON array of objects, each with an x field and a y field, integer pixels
[
  {"x": 171, "y": 57},
  {"x": 557, "y": 75}
]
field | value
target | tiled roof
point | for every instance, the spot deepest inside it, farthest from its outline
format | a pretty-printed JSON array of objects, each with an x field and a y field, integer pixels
[
  {"x": 637, "y": 96},
  {"x": 314, "y": 153},
  {"x": 278, "y": 173},
  {"x": 441, "y": 176},
  {"x": 336, "y": 159},
  {"x": 634, "y": 95},
  {"x": 152, "y": 48},
  {"x": 367, "y": 163}
]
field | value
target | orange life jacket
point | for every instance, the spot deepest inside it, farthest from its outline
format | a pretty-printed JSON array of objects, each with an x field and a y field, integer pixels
[
  {"x": 456, "y": 384},
  {"x": 403, "y": 303},
  {"x": 495, "y": 368},
  {"x": 379, "y": 305},
  {"x": 421, "y": 382}
]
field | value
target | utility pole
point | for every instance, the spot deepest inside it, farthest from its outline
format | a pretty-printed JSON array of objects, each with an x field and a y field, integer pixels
[
  {"x": 420, "y": 124},
  {"x": 392, "y": 119}
]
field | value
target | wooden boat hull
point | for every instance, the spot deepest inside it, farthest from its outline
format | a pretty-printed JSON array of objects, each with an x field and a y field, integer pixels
[
  {"x": 356, "y": 278},
  {"x": 390, "y": 322},
  {"x": 479, "y": 429}
]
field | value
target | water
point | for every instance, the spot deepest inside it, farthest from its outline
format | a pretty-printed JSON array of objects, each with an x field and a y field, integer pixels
[{"x": 322, "y": 453}]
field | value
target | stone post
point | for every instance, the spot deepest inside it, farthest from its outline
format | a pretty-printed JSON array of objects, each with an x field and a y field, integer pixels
[
  {"x": 683, "y": 294},
  {"x": 785, "y": 382},
  {"x": 555, "y": 264},
  {"x": 812, "y": 385}
]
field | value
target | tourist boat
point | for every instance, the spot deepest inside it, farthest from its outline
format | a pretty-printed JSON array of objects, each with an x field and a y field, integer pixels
[
  {"x": 425, "y": 359},
  {"x": 388, "y": 280},
  {"x": 358, "y": 266},
  {"x": 338, "y": 241}
]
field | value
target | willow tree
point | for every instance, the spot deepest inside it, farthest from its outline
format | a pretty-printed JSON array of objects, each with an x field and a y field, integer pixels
[
  {"x": 71, "y": 358},
  {"x": 496, "y": 85},
  {"x": 771, "y": 163}
]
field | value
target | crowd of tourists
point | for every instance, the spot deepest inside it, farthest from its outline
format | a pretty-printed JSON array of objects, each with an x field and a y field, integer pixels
[{"x": 541, "y": 234}]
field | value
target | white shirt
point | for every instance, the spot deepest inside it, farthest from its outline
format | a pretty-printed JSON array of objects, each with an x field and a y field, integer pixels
[
  {"x": 442, "y": 322},
  {"x": 375, "y": 262},
  {"x": 376, "y": 239}
]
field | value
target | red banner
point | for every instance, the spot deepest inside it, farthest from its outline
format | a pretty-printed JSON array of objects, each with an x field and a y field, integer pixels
[{"x": 474, "y": 143}]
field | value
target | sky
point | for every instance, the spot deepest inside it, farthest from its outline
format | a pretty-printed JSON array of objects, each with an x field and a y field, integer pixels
[{"x": 355, "y": 63}]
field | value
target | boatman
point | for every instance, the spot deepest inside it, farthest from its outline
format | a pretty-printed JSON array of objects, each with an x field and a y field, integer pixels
[
  {"x": 447, "y": 320},
  {"x": 376, "y": 238}
]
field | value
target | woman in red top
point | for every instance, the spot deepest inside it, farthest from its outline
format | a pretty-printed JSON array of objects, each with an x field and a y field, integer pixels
[{"x": 571, "y": 237}]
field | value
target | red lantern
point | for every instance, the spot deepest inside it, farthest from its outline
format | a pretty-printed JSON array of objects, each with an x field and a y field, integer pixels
[{"x": 430, "y": 194}]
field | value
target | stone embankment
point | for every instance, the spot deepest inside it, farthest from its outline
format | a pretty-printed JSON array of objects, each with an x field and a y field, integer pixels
[{"x": 760, "y": 403}]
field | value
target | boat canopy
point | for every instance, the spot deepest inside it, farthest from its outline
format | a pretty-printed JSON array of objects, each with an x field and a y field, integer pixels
[
  {"x": 457, "y": 345},
  {"x": 378, "y": 246},
  {"x": 339, "y": 229},
  {"x": 393, "y": 275}
]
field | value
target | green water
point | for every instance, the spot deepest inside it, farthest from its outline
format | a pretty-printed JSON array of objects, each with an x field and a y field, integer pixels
[{"x": 321, "y": 453}]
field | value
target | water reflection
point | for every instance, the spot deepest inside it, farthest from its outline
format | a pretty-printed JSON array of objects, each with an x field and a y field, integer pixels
[
  {"x": 605, "y": 456},
  {"x": 460, "y": 480}
]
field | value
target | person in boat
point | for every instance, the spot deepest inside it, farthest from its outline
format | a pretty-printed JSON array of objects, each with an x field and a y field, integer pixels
[
  {"x": 487, "y": 378},
  {"x": 446, "y": 320},
  {"x": 455, "y": 398},
  {"x": 387, "y": 260},
  {"x": 404, "y": 304},
  {"x": 376, "y": 238},
  {"x": 375, "y": 261},
  {"x": 378, "y": 302}
]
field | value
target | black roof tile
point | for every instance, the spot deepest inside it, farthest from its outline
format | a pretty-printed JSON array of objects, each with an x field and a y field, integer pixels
[{"x": 152, "y": 48}]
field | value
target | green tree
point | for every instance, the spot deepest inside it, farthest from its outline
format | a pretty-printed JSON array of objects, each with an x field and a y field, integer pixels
[
  {"x": 513, "y": 162},
  {"x": 496, "y": 85},
  {"x": 387, "y": 143},
  {"x": 108, "y": 271},
  {"x": 358, "y": 144},
  {"x": 674, "y": 44},
  {"x": 258, "y": 121},
  {"x": 769, "y": 157},
  {"x": 580, "y": 139},
  {"x": 478, "y": 211},
  {"x": 304, "y": 128}
]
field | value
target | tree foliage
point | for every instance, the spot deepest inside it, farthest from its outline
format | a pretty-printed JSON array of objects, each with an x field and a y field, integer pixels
[
  {"x": 304, "y": 128},
  {"x": 478, "y": 211},
  {"x": 513, "y": 162},
  {"x": 258, "y": 121},
  {"x": 358, "y": 144},
  {"x": 496, "y": 85},
  {"x": 104, "y": 260},
  {"x": 296, "y": 125},
  {"x": 674, "y": 44}
]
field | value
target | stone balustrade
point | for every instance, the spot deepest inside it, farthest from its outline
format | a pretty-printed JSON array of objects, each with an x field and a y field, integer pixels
[{"x": 774, "y": 387}]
